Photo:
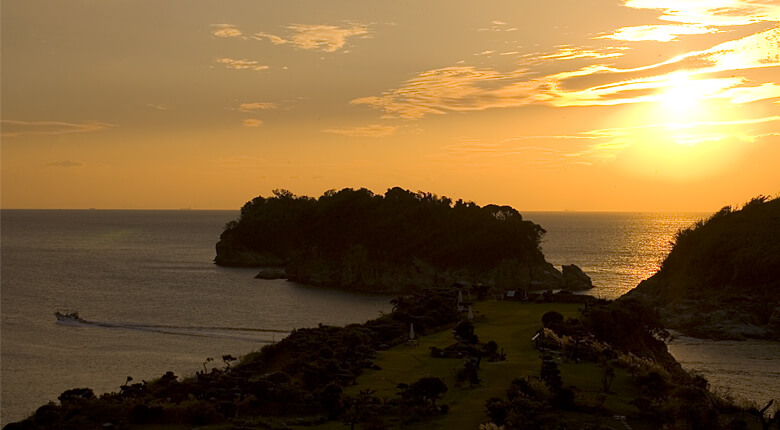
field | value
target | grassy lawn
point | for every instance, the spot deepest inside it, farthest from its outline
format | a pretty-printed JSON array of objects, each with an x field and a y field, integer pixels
[{"x": 510, "y": 324}]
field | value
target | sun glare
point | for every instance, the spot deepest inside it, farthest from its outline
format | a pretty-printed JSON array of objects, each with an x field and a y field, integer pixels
[
  {"x": 682, "y": 97},
  {"x": 686, "y": 105}
]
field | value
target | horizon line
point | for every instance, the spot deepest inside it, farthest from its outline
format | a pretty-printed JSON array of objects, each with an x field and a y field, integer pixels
[{"x": 238, "y": 209}]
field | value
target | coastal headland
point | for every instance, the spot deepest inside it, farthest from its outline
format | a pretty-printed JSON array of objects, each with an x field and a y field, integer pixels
[{"x": 722, "y": 277}]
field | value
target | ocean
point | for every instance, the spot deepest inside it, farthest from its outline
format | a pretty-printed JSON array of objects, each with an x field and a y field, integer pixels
[{"x": 153, "y": 301}]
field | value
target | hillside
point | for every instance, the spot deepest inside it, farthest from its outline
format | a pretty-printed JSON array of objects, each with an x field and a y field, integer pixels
[
  {"x": 722, "y": 276},
  {"x": 358, "y": 240},
  {"x": 457, "y": 373}
]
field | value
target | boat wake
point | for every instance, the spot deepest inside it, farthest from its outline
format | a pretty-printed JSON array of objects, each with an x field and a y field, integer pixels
[{"x": 234, "y": 333}]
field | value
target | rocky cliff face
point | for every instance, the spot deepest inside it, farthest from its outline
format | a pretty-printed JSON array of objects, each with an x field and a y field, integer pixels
[
  {"x": 718, "y": 315},
  {"x": 234, "y": 255},
  {"x": 355, "y": 270}
]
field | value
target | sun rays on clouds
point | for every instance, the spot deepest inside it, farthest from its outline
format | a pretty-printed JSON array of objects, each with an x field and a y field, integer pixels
[{"x": 612, "y": 100}]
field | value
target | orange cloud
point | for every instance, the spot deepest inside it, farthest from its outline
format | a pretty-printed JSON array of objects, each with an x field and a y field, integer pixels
[
  {"x": 241, "y": 64},
  {"x": 250, "y": 107},
  {"x": 225, "y": 30},
  {"x": 66, "y": 163},
  {"x": 251, "y": 122},
  {"x": 326, "y": 38},
  {"x": 658, "y": 33},
  {"x": 568, "y": 52},
  {"x": 462, "y": 88},
  {"x": 712, "y": 13},
  {"x": 19, "y": 128},
  {"x": 373, "y": 130}
]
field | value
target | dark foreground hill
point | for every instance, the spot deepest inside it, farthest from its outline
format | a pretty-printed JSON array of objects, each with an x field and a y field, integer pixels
[
  {"x": 514, "y": 365},
  {"x": 358, "y": 240},
  {"x": 722, "y": 277}
]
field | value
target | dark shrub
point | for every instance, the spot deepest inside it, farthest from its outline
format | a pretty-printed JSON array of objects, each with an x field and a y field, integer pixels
[
  {"x": 76, "y": 395},
  {"x": 551, "y": 319},
  {"x": 143, "y": 414},
  {"x": 496, "y": 410}
]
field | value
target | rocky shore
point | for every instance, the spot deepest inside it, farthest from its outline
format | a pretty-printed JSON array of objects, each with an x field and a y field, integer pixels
[{"x": 356, "y": 272}]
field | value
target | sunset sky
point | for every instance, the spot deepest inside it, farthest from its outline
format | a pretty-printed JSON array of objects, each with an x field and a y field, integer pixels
[{"x": 571, "y": 104}]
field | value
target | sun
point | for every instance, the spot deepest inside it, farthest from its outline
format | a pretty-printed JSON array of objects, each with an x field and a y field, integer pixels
[
  {"x": 681, "y": 97},
  {"x": 687, "y": 107}
]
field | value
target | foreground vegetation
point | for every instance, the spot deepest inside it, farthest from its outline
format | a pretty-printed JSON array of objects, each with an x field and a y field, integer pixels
[{"x": 597, "y": 366}]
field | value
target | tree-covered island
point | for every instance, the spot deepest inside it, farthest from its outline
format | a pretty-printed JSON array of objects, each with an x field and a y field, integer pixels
[{"x": 397, "y": 242}]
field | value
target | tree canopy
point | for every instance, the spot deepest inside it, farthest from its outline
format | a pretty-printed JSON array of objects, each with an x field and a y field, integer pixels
[{"x": 399, "y": 226}]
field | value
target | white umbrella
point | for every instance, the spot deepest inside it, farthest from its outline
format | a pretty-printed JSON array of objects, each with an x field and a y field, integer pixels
[
  {"x": 411, "y": 331},
  {"x": 471, "y": 315}
]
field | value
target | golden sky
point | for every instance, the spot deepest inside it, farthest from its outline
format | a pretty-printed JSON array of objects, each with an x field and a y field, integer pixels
[{"x": 628, "y": 105}]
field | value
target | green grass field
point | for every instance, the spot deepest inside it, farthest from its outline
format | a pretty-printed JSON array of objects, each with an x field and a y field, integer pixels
[{"x": 510, "y": 324}]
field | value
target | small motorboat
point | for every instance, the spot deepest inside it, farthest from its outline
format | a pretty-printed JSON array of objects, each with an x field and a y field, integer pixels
[{"x": 68, "y": 316}]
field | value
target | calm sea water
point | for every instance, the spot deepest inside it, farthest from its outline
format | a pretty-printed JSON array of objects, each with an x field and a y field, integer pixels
[{"x": 155, "y": 302}]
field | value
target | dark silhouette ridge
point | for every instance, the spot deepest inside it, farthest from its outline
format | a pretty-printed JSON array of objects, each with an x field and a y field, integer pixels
[
  {"x": 722, "y": 277},
  {"x": 358, "y": 240}
]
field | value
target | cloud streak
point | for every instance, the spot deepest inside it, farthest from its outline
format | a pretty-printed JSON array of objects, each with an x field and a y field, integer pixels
[
  {"x": 252, "y": 123},
  {"x": 464, "y": 88},
  {"x": 658, "y": 33},
  {"x": 225, "y": 30},
  {"x": 12, "y": 128},
  {"x": 373, "y": 130},
  {"x": 255, "y": 106},
  {"x": 326, "y": 38},
  {"x": 66, "y": 164},
  {"x": 241, "y": 64}
]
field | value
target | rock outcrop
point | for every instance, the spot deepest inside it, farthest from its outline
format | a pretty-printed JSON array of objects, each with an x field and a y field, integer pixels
[
  {"x": 356, "y": 270},
  {"x": 574, "y": 279}
]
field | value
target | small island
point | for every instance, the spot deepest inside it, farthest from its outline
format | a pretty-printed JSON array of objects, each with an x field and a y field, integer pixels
[{"x": 397, "y": 242}]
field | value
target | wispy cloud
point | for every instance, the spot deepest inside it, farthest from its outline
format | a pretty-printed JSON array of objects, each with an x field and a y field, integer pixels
[
  {"x": 66, "y": 163},
  {"x": 255, "y": 106},
  {"x": 276, "y": 40},
  {"x": 658, "y": 33},
  {"x": 712, "y": 13},
  {"x": 568, "y": 52},
  {"x": 373, "y": 130},
  {"x": 440, "y": 90},
  {"x": 240, "y": 64},
  {"x": 328, "y": 38},
  {"x": 12, "y": 128},
  {"x": 252, "y": 122},
  {"x": 464, "y": 88},
  {"x": 498, "y": 26},
  {"x": 225, "y": 30},
  {"x": 695, "y": 17}
]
